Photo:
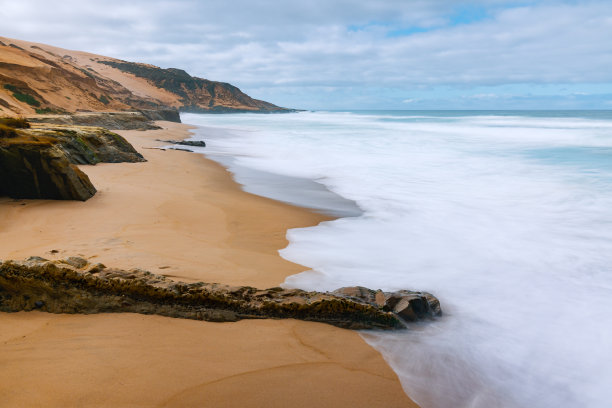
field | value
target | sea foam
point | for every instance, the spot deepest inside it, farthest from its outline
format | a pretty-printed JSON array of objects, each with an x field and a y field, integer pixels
[{"x": 507, "y": 218}]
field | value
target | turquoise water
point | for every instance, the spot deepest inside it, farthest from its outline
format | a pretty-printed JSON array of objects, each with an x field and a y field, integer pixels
[{"x": 505, "y": 215}]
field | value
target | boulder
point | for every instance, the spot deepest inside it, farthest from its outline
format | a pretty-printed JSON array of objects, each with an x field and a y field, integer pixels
[
  {"x": 40, "y": 169},
  {"x": 408, "y": 305}
]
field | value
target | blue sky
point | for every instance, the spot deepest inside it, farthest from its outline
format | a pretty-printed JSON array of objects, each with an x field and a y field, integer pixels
[{"x": 340, "y": 54}]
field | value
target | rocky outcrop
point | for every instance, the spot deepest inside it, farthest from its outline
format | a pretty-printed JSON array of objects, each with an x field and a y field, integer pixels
[
  {"x": 87, "y": 144},
  {"x": 39, "y": 168},
  {"x": 193, "y": 143},
  {"x": 74, "y": 285},
  {"x": 108, "y": 120},
  {"x": 39, "y": 161},
  {"x": 170, "y": 115}
]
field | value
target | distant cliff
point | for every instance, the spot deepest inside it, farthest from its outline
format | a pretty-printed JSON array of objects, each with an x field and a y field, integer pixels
[{"x": 38, "y": 78}]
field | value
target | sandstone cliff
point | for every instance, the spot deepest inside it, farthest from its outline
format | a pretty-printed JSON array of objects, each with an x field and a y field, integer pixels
[{"x": 38, "y": 78}]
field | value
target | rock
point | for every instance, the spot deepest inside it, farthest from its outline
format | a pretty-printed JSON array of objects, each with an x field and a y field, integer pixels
[
  {"x": 38, "y": 168},
  {"x": 374, "y": 297},
  {"x": 408, "y": 305},
  {"x": 88, "y": 145},
  {"x": 76, "y": 261},
  {"x": 170, "y": 115},
  {"x": 412, "y": 306},
  {"x": 194, "y": 143},
  {"x": 38, "y": 304},
  {"x": 38, "y": 162},
  {"x": 72, "y": 286},
  {"x": 108, "y": 120}
]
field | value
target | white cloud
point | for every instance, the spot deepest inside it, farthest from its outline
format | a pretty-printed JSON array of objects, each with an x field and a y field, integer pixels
[{"x": 308, "y": 45}]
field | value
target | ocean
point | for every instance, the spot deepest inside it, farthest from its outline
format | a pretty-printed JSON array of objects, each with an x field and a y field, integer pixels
[{"x": 506, "y": 216}]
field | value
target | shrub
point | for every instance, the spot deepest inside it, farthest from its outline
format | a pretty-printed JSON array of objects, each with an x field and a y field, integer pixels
[
  {"x": 42, "y": 111},
  {"x": 17, "y": 94},
  {"x": 29, "y": 99}
]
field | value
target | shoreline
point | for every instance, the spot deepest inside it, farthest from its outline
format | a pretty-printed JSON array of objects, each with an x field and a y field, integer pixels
[{"x": 181, "y": 215}]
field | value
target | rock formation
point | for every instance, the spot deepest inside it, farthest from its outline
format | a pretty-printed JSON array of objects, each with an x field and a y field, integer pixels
[
  {"x": 39, "y": 168},
  {"x": 74, "y": 285},
  {"x": 138, "y": 120},
  {"x": 39, "y": 161}
]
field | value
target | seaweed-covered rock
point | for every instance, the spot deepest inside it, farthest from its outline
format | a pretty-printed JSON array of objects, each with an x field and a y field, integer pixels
[
  {"x": 77, "y": 286},
  {"x": 88, "y": 144}
]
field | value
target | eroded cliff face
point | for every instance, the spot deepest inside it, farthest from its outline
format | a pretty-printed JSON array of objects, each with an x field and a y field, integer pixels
[
  {"x": 38, "y": 162},
  {"x": 74, "y": 285},
  {"x": 38, "y": 78}
]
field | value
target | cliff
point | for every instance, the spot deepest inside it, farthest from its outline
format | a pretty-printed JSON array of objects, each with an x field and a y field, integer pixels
[
  {"x": 38, "y": 78},
  {"x": 74, "y": 285}
]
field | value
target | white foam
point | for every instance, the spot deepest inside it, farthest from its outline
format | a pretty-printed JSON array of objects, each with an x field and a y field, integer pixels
[{"x": 505, "y": 218}]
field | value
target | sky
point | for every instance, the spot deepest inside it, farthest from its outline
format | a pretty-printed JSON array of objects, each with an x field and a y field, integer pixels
[{"x": 341, "y": 54}]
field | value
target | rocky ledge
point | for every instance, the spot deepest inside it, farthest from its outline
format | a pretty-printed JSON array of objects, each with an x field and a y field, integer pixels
[
  {"x": 137, "y": 120},
  {"x": 38, "y": 161},
  {"x": 74, "y": 285}
]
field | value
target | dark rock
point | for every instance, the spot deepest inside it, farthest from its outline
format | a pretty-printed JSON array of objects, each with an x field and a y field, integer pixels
[
  {"x": 170, "y": 115},
  {"x": 39, "y": 162},
  {"x": 408, "y": 305},
  {"x": 76, "y": 261},
  {"x": 194, "y": 143},
  {"x": 38, "y": 304},
  {"x": 38, "y": 168},
  {"x": 72, "y": 286},
  {"x": 413, "y": 306}
]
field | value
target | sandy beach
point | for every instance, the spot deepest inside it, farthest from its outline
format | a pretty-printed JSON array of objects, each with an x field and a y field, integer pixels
[{"x": 182, "y": 216}]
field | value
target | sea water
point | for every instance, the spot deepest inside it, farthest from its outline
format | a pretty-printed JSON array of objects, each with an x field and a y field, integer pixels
[{"x": 505, "y": 216}]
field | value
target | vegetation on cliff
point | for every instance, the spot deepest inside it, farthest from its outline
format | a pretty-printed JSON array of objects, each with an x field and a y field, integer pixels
[{"x": 197, "y": 94}]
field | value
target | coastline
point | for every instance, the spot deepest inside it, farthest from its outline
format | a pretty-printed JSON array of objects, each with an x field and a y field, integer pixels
[{"x": 183, "y": 216}]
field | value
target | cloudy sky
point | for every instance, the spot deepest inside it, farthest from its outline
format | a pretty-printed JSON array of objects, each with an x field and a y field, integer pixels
[{"x": 342, "y": 54}]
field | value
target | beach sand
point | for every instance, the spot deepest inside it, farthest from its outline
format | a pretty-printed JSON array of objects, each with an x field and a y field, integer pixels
[{"x": 180, "y": 215}]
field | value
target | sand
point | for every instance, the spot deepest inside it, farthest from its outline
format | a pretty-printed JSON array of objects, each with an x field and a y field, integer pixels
[{"x": 182, "y": 216}]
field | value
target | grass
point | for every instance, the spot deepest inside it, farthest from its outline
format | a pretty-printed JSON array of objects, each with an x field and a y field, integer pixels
[
  {"x": 17, "y": 94},
  {"x": 42, "y": 111}
]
